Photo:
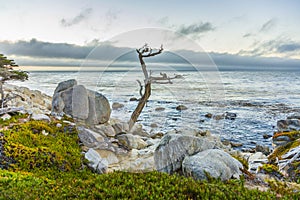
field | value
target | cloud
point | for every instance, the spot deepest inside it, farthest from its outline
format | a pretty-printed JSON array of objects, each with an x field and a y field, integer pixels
[
  {"x": 248, "y": 35},
  {"x": 268, "y": 25},
  {"x": 288, "y": 47},
  {"x": 192, "y": 29},
  {"x": 39, "y": 53},
  {"x": 77, "y": 19},
  {"x": 279, "y": 46},
  {"x": 35, "y": 48},
  {"x": 196, "y": 28},
  {"x": 111, "y": 16}
]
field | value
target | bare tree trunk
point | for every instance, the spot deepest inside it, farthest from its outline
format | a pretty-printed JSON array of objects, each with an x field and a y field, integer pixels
[
  {"x": 136, "y": 113},
  {"x": 143, "y": 52}
]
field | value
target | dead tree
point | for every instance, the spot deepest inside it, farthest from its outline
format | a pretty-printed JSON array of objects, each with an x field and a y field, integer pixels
[{"x": 145, "y": 52}]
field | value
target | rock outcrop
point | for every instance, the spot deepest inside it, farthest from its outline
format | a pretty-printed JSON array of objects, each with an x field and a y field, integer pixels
[
  {"x": 33, "y": 101},
  {"x": 82, "y": 104},
  {"x": 289, "y": 124},
  {"x": 213, "y": 162},
  {"x": 173, "y": 148}
]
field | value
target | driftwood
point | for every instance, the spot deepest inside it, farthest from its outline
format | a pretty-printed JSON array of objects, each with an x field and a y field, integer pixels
[
  {"x": 10, "y": 110},
  {"x": 145, "y": 52}
]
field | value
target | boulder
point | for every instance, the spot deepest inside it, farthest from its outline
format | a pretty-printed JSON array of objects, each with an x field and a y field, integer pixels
[
  {"x": 107, "y": 130},
  {"x": 159, "y": 109},
  {"x": 133, "y": 99},
  {"x": 137, "y": 129},
  {"x": 132, "y": 141},
  {"x": 5, "y": 117},
  {"x": 116, "y": 106},
  {"x": 256, "y": 160},
  {"x": 95, "y": 161},
  {"x": 264, "y": 149},
  {"x": 92, "y": 139},
  {"x": 208, "y": 115},
  {"x": 80, "y": 102},
  {"x": 65, "y": 85},
  {"x": 66, "y": 96},
  {"x": 173, "y": 148},
  {"x": 85, "y": 105},
  {"x": 181, "y": 107},
  {"x": 215, "y": 162},
  {"x": 40, "y": 117},
  {"x": 288, "y": 125},
  {"x": 121, "y": 127},
  {"x": 138, "y": 161},
  {"x": 230, "y": 115},
  {"x": 32, "y": 101},
  {"x": 99, "y": 108}
]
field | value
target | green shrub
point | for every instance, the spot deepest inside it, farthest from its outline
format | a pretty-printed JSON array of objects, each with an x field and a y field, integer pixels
[{"x": 50, "y": 167}]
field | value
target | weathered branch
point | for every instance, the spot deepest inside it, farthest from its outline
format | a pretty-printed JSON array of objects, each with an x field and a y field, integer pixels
[
  {"x": 10, "y": 110},
  {"x": 145, "y": 52},
  {"x": 141, "y": 87}
]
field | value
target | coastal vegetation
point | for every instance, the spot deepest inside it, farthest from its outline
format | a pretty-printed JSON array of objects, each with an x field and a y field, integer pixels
[
  {"x": 8, "y": 73},
  {"x": 43, "y": 160}
]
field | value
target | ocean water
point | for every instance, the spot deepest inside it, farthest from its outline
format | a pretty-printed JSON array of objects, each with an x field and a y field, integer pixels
[{"x": 258, "y": 98}]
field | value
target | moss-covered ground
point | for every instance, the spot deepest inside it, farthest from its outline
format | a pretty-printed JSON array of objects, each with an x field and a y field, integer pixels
[{"x": 43, "y": 160}]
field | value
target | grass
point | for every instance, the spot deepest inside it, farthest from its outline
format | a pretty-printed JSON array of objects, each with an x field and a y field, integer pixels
[{"x": 51, "y": 166}]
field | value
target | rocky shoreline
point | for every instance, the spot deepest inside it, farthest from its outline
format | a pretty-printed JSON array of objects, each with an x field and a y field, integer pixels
[{"x": 110, "y": 146}]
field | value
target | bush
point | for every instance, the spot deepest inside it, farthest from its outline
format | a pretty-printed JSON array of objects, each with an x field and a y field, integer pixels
[{"x": 51, "y": 167}]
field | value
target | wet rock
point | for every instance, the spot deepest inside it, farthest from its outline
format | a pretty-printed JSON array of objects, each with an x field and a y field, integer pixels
[
  {"x": 181, "y": 107},
  {"x": 264, "y": 149},
  {"x": 217, "y": 163},
  {"x": 267, "y": 136},
  {"x": 153, "y": 125},
  {"x": 288, "y": 125},
  {"x": 281, "y": 140},
  {"x": 236, "y": 144},
  {"x": 159, "y": 109},
  {"x": 208, "y": 115},
  {"x": 133, "y": 99},
  {"x": 157, "y": 135},
  {"x": 116, "y": 106},
  {"x": 230, "y": 115},
  {"x": 226, "y": 142},
  {"x": 218, "y": 117},
  {"x": 296, "y": 116}
]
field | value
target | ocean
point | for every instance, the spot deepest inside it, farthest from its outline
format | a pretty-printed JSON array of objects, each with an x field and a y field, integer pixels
[{"x": 258, "y": 98}]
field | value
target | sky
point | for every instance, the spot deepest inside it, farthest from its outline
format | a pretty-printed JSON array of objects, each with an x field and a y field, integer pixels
[{"x": 233, "y": 33}]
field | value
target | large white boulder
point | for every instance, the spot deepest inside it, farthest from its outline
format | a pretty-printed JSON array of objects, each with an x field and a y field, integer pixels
[
  {"x": 215, "y": 162},
  {"x": 173, "y": 148}
]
